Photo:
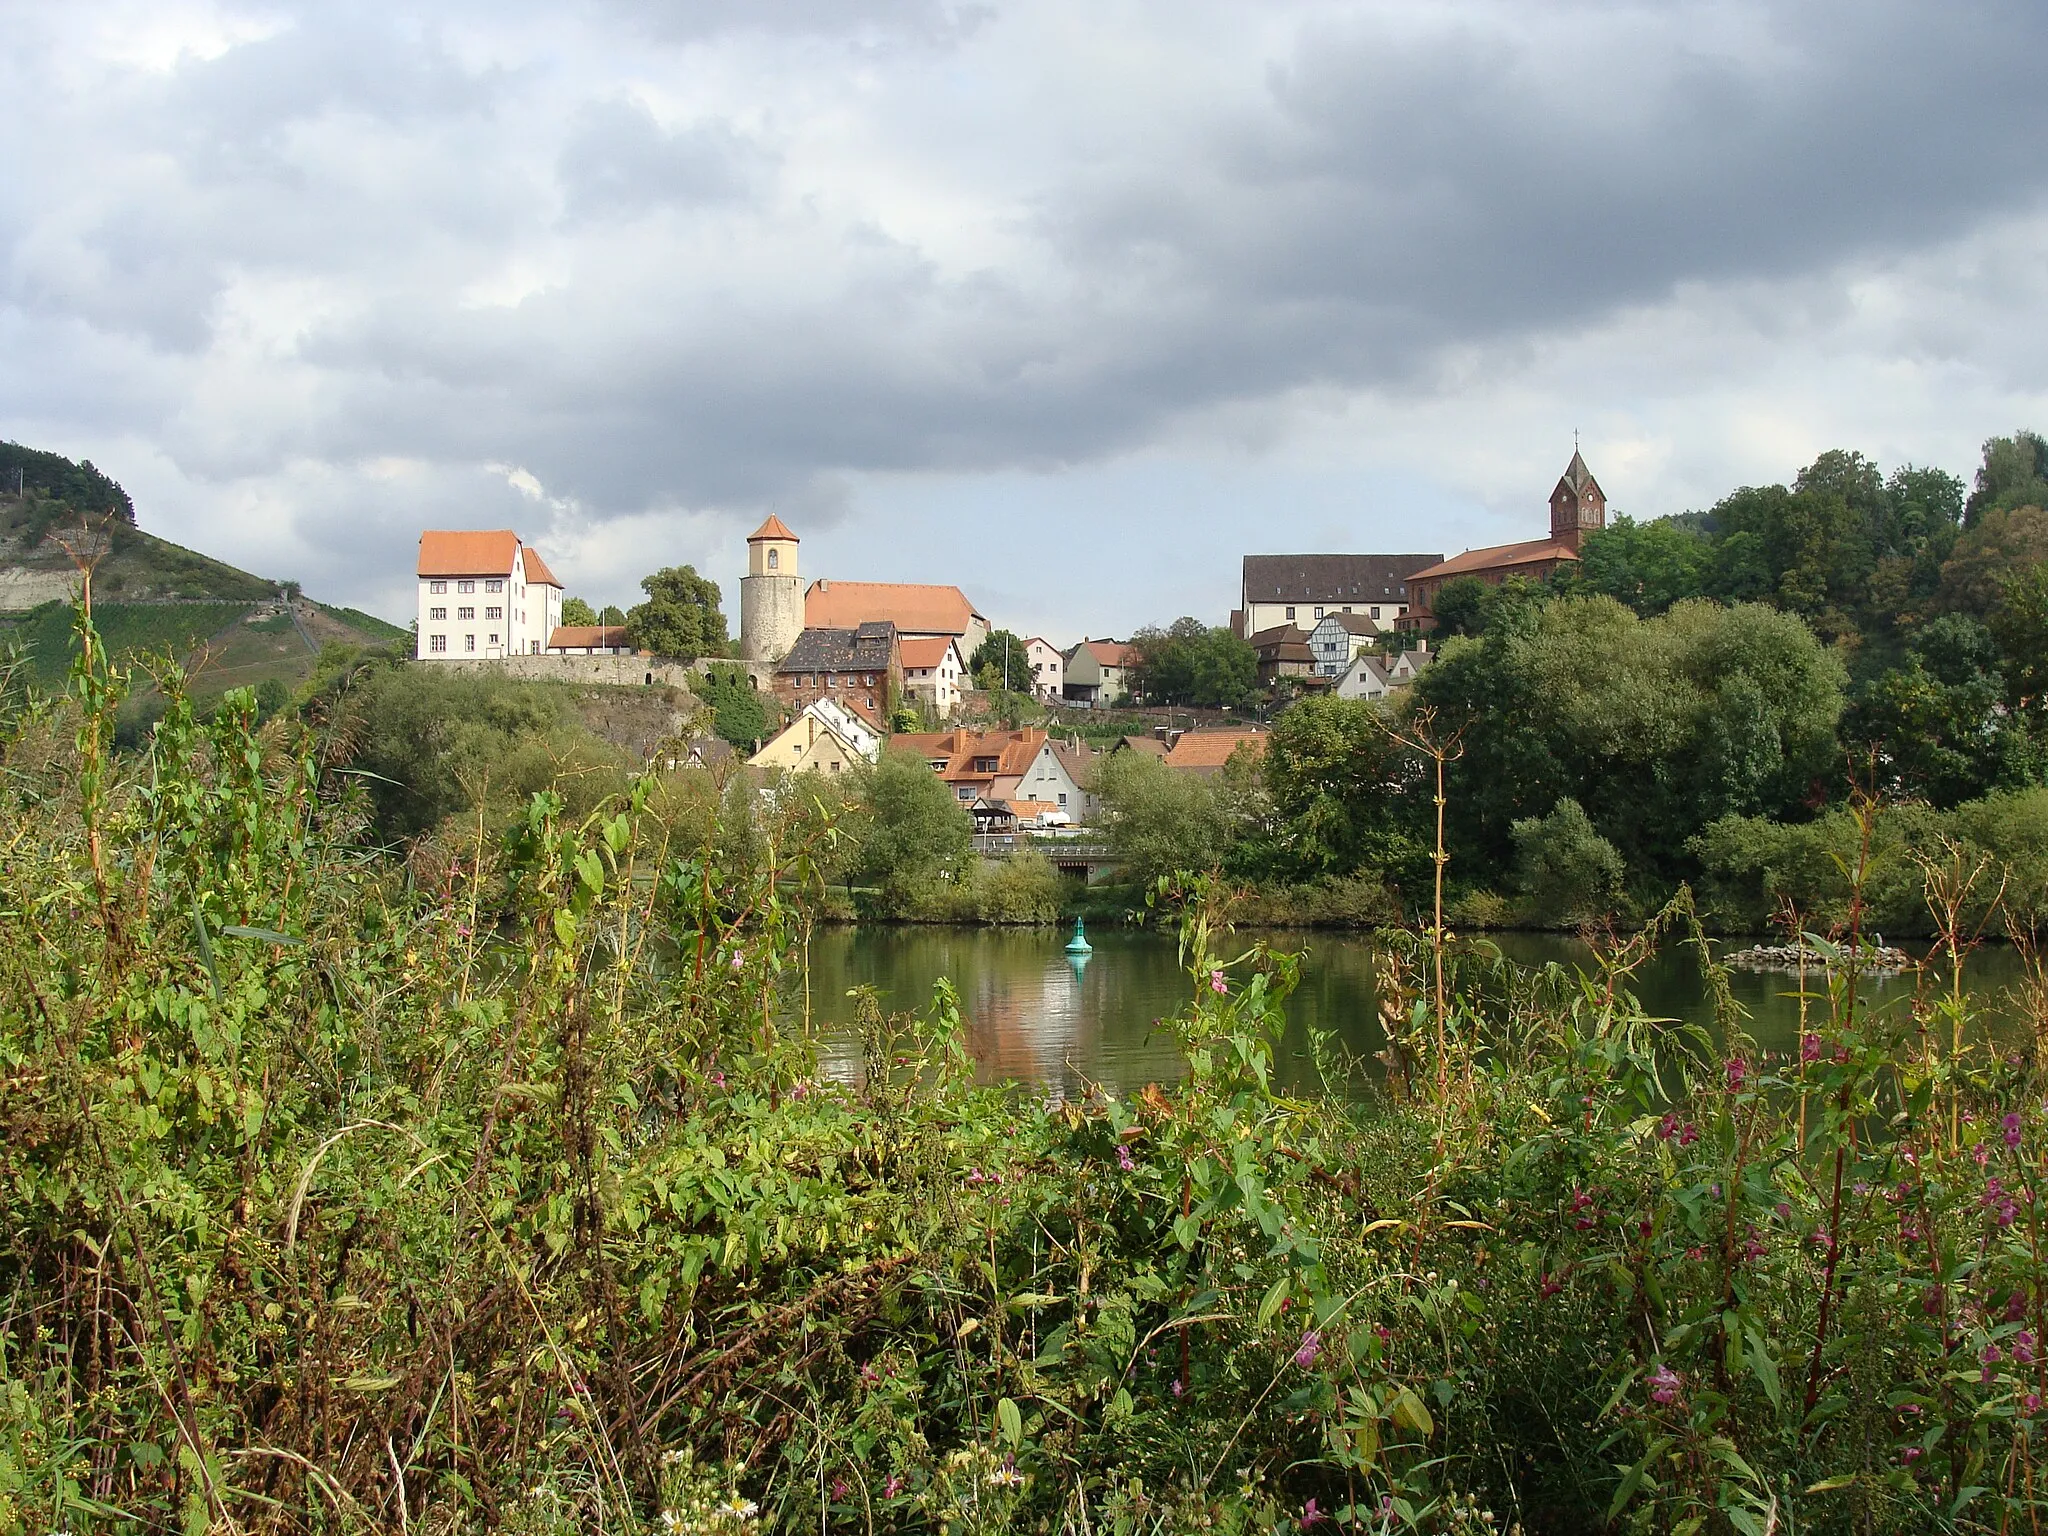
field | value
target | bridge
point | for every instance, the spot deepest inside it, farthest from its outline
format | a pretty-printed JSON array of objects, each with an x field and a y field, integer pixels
[{"x": 1087, "y": 857}]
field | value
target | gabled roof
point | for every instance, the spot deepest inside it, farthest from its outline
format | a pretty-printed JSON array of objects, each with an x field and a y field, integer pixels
[
  {"x": 864, "y": 648},
  {"x": 1207, "y": 751},
  {"x": 1351, "y": 623},
  {"x": 775, "y": 529},
  {"x": 1108, "y": 653},
  {"x": 537, "y": 572},
  {"x": 1578, "y": 477},
  {"x": 1499, "y": 556},
  {"x": 577, "y": 637},
  {"x": 914, "y": 610},
  {"x": 927, "y": 651},
  {"x": 1283, "y": 642},
  {"x": 1013, "y": 751},
  {"x": 1147, "y": 746},
  {"x": 1330, "y": 578},
  {"x": 447, "y": 552}
]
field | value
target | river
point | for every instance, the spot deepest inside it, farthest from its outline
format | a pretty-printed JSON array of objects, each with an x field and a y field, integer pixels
[{"x": 1033, "y": 1016}]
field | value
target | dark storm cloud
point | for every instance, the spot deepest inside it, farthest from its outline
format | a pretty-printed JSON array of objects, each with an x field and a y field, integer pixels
[{"x": 727, "y": 252}]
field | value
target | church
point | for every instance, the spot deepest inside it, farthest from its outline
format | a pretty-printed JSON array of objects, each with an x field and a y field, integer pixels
[{"x": 1577, "y": 507}]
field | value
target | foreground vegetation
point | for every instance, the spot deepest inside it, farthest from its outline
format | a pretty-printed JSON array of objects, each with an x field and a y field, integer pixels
[{"x": 502, "y": 1189}]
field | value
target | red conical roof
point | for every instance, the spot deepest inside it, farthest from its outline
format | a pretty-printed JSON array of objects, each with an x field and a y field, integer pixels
[{"x": 774, "y": 528}]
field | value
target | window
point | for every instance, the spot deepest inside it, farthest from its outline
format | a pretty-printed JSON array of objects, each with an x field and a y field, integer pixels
[
  {"x": 1319, "y": 610},
  {"x": 465, "y": 586},
  {"x": 494, "y": 613},
  {"x": 870, "y": 680},
  {"x": 1375, "y": 613},
  {"x": 774, "y": 560},
  {"x": 494, "y": 586},
  {"x": 437, "y": 613},
  {"x": 1347, "y": 607},
  {"x": 1290, "y": 613},
  {"x": 469, "y": 642},
  {"x": 771, "y": 561},
  {"x": 494, "y": 639},
  {"x": 1063, "y": 799},
  {"x": 437, "y": 643},
  {"x": 828, "y": 679},
  {"x": 437, "y": 586},
  {"x": 465, "y": 613},
  {"x": 966, "y": 792}
]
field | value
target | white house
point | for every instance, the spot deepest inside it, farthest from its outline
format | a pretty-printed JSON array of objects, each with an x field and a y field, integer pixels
[
  {"x": 1374, "y": 676},
  {"x": 484, "y": 594},
  {"x": 934, "y": 672},
  {"x": 1060, "y": 776},
  {"x": 1302, "y": 590},
  {"x": 1048, "y": 667},
  {"x": 1095, "y": 672},
  {"x": 1339, "y": 636},
  {"x": 825, "y": 737}
]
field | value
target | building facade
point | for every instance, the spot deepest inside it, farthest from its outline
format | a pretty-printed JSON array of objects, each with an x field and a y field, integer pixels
[
  {"x": 1047, "y": 666},
  {"x": 1304, "y": 589},
  {"x": 1577, "y": 507},
  {"x": 1340, "y": 636},
  {"x": 1096, "y": 672},
  {"x": 825, "y": 737},
  {"x": 976, "y": 765},
  {"x": 860, "y": 668},
  {"x": 933, "y": 673},
  {"x": 483, "y": 595},
  {"x": 1283, "y": 651},
  {"x": 918, "y": 612}
]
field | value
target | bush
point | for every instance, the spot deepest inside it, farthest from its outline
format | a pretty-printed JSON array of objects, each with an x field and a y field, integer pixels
[
  {"x": 1569, "y": 872},
  {"x": 1355, "y": 901}
]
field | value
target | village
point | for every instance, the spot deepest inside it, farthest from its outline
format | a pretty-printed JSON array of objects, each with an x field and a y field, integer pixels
[{"x": 849, "y": 667}]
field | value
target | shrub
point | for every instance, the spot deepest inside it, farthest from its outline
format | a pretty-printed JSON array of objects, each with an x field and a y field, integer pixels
[{"x": 1569, "y": 872}]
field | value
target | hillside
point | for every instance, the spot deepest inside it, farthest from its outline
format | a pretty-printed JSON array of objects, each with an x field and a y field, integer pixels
[{"x": 230, "y": 628}]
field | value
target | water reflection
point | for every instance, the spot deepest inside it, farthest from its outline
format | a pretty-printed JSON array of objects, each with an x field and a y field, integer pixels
[{"x": 1036, "y": 1014}]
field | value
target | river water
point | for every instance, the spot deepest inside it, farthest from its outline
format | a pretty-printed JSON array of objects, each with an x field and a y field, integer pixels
[{"x": 1034, "y": 1016}]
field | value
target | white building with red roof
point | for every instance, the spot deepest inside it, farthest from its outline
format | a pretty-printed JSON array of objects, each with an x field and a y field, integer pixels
[{"x": 483, "y": 594}]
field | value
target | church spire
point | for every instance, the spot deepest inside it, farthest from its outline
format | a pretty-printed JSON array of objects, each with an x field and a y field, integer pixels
[{"x": 1577, "y": 506}]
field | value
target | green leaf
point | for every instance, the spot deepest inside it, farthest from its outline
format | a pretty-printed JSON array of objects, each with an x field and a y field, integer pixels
[
  {"x": 1186, "y": 1229},
  {"x": 1012, "y": 1420},
  {"x": 1275, "y": 1294},
  {"x": 1410, "y": 1412},
  {"x": 267, "y": 935}
]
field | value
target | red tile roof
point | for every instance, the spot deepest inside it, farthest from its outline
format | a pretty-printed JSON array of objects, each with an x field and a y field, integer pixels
[
  {"x": 914, "y": 610},
  {"x": 455, "y": 553},
  {"x": 1206, "y": 751},
  {"x": 586, "y": 636},
  {"x": 537, "y": 571},
  {"x": 925, "y": 653},
  {"x": 1108, "y": 653},
  {"x": 1013, "y": 751},
  {"x": 774, "y": 528},
  {"x": 1529, "y": 552}
]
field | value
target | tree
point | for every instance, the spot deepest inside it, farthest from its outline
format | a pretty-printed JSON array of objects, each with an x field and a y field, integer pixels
[
  {"x": 2014, "y": 474},
  {"x": 2020, "y": 626},
  {"x": 917, "y": 835},
  {"x": 1159, "y": 820},
  {"x": 577, "y": 611},
  {"x": 1569, "y": 872},
  {"x": 681, "y": 617},
  {"x": 611, "y": 613},
  {"x": 1191, "y": 663},
  {"x": 738, "y": 714},
  {"x": 2003, "y": 543},
  {"x": 1000, "y": 662},
  {"x": 1344, "y": 794},
  {"x": 1648, "y": 566},
  {"x": 1460, "y": 605}
]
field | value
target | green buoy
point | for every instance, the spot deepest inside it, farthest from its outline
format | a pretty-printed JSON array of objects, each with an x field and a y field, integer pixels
[{"x": 1078, "y": 944}]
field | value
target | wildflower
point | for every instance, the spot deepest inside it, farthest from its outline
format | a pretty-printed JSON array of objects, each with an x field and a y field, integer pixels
[
  {"x": 1217, "y": 984},
  {"x": 1992, "y": 1354},
  {"x": 1689, "y": 1135},
  {"x": 1738, "y": 1073},
  {"x": 1311, "y": 1346},
  {"x": 1548, "y": 1288},
  {"x": 2023, "y": 1347},
  {"x": 1005, "y": 1476},
  {"x": 739, "y": 958},
  {"x": 2033, "y": 1402},
  {"x": 1910, "y": 1454},
  {"x": 976, "y": 1176},
  {"x": 1784, "y": 1210},
  {"x": 839, "y": 1488},
  {"x": 2016, "y": 1307},
  {"x": 1861, "y": 1187},
  {"x": 1123, "y": 1158},
  {"x": 1664, "y": 1384},
  {"x": 892, "y": 1487},
  {"x": 717, "y": 1079},
  {"x": 1668, "y": 1126},
  {"x": 1178, "y": 1389},
  {"x": 1809, "y": 1049},
  {"x": 2012, "y": 1130},
  {"x": 1982, "y": 1152},
  {"x": 1310, "y": 1514}
]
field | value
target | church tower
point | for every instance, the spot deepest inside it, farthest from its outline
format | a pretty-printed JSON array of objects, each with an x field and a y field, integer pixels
[
  {"x": 771, "y": 594},
  {"x": 1578, "y": 506}
]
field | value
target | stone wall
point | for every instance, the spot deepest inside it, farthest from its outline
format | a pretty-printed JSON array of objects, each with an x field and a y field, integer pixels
[{"x": 604, "y": 671}]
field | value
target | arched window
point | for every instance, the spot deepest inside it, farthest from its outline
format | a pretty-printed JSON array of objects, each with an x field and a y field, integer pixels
[{"x": 774, "y": 558}]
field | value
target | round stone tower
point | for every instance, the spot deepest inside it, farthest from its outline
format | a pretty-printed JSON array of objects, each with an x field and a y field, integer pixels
[{"x": 771, "y": 594}]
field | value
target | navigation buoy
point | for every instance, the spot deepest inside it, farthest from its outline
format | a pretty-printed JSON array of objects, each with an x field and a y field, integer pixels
[{"x": 1078, "y": 944}]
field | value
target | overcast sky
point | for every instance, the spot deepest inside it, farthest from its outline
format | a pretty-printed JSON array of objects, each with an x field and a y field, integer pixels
[{"x": 1071, "y": 302}]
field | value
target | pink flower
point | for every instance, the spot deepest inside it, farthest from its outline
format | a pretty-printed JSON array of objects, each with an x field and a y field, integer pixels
[
  {"x": 1310, "y": 1514},
  {"x": 1178, "y": 1389},
  {"x": 1217, "y": 984},
  {"x": 1689, "y": 1135},
  {"x": 2012, "y": 1131},
  {"x": 1311, "y": 1346},
  {"x": 2023, "y": 1347},
  {"x": 892, "y": 1487},
  {"x": 739, "y": 958},
  {"x": 1809, "y": 1049},
  {"x": 2033, "y": 1402},
  {"x": 1982, "y": 1152},
  {"x": 838, "y": 1488},
  {"x": 1664, "y": 1384},
  {"x": 1738, "y": 1073},
  {"x": 1910, "y": 1454},
  {"x": 717, "y": 1079},
  {"x": 1123, "y": 1158}
]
